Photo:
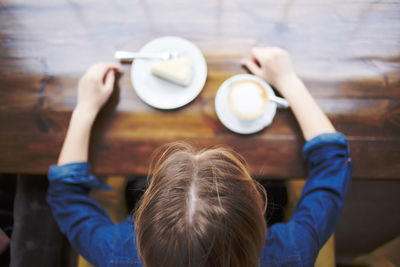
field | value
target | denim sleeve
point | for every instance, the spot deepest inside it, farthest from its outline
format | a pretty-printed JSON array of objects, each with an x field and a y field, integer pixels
[
  {"x": 319, "y": 207},
  {"x": 297, "y": 242},
  {"x": 85, "y": 223}
]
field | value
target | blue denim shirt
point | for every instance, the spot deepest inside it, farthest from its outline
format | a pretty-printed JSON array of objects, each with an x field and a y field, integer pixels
[{"x": 295, "y": 243}]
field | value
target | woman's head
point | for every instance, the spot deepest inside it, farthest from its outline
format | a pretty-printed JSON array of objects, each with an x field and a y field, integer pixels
[{"x": 201, "y": 209}]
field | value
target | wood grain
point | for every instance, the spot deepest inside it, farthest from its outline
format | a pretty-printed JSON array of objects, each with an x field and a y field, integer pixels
[{"x": 347, "y": 52}]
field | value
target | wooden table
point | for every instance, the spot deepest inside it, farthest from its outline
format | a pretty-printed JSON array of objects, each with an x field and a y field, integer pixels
[{"x": 347, "y": 52}]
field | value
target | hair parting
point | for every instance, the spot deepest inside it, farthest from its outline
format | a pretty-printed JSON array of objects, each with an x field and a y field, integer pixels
[{"x": 202, "y": 208}]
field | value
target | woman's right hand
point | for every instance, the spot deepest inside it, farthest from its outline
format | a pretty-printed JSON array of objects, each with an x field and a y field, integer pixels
[
  {"x": 96, "y": 86},
  {"x": 272, "y": 64}
]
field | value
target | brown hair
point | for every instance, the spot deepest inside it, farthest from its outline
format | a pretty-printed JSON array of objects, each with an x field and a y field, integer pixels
[{"x": 200, "y": 209}]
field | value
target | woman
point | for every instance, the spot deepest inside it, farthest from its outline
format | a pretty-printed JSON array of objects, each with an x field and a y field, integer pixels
[{"x": 202, "y": 208}]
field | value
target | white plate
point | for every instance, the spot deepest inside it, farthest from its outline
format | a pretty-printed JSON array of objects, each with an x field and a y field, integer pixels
[
  {"x": 229, "y": 119},
  {"x": 160, "y": 93}
]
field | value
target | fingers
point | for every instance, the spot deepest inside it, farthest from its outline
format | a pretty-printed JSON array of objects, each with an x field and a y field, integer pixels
[
  {"x": 267, "y": 53},
  {"x": 109, "y": 81},
  {"x": 252, "y": 66},
  {"x": 100, "y": 70},
  {"x": 259, "y": 52},
  {"x": 104, "y": 67},
  {"x": 262, "y": 54}
]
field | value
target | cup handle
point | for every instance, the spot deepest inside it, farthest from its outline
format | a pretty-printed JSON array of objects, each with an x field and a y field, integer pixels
[{"x": 282, "y": 103}]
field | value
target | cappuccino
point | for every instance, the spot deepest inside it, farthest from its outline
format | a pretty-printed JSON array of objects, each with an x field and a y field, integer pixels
[{"x": 248, "y": 99}]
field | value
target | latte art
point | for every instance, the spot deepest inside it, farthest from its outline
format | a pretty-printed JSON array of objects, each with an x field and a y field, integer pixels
[{"x": 248, "y": 99}]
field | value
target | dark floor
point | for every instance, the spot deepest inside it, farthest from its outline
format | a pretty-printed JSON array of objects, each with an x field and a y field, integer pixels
[
  {"x": 7, "y": 193},
  {"x": 370, "y": 218}
]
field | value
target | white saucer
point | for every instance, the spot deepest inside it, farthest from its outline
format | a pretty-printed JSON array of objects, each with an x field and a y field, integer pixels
[
  {"x": 229, "y": 119},
  {"x": 160, "y": 93}
]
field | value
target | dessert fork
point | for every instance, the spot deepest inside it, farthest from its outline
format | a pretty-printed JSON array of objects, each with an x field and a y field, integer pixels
[{"x": 125, "y": 55}]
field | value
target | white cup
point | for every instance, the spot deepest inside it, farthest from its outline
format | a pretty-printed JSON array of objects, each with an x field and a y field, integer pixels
[{"x": 250, "y": 97}]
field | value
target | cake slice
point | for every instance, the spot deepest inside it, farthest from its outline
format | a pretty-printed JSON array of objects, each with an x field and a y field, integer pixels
[{"x": 178, "y": 70}]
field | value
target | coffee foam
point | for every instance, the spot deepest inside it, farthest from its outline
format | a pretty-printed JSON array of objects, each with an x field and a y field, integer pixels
[{"x": 248, "y": 99}]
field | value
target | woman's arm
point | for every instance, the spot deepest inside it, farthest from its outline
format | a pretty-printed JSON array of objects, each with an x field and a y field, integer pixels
[
  {"x": 95, "y": 87},
  {"x": 85, "y": 223},
  {"x": 326, "y": 153},
  {"x": 273, "y": 65}
]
